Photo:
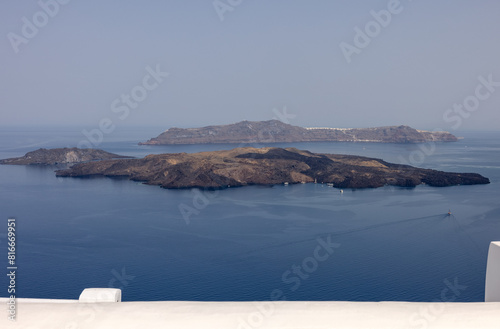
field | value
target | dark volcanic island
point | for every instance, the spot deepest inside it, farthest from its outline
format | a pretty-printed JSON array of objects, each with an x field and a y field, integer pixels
[
  {"x": 61, "y": 156},
  {"x": 267, "y": 166},
  {"x": 274, "y": 131}
]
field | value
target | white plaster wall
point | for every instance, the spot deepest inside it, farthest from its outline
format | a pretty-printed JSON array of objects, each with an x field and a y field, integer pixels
[
  {"x": 250, "y": 315},
  {"x": 492, "y": 289}
]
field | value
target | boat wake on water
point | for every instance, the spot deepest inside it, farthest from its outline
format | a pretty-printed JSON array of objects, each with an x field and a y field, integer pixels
[
  {"x": 467, "y": 243},
  {"x": 343, "y": 232}
]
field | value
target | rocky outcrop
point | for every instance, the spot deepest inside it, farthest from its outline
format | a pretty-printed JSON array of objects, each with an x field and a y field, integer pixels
[
  {"x": 265, "y": 166},
  {"x": 274, "y": 131},
  {"x": 61, "y": 156}
]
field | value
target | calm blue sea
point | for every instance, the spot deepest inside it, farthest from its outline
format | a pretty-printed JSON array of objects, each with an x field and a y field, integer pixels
[{"x": 244, "y": 243}]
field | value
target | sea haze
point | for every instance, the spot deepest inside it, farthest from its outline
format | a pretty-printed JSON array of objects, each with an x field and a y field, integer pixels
[{"x": 391, "y": 243}]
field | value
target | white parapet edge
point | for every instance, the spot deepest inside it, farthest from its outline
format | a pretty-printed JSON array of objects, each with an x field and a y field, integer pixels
[
  {"x": 492, "y": 286},
  {"x": 100, "y": 295}
]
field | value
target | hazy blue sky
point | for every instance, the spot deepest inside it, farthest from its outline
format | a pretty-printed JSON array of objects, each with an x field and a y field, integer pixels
[{"x": 263, "y": 55}]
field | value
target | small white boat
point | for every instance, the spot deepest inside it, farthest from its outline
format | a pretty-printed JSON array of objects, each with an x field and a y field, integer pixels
[
  {"x": 285, "y": 183},
  {"x": 341, "y": 191}
]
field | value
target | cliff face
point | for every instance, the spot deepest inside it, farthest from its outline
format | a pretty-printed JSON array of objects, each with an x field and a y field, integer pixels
[
  {"x": 263, "y": 166},
  {"x": 61, "y": 156},
  {"x": 274, "y": 131}
]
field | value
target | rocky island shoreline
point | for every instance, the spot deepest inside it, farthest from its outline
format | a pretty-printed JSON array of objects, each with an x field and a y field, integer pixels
[
  {"x": 267, "y": 166},
  {"x": 274, "y": 131},
  {"x": 61, "y": 156}
]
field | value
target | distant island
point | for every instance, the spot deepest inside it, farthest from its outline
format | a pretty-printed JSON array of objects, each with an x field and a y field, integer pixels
[
  {"x": 267, "y": 166},
  {"x": 61, "y": 156},
  {"x": 274, "y": 131}
]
